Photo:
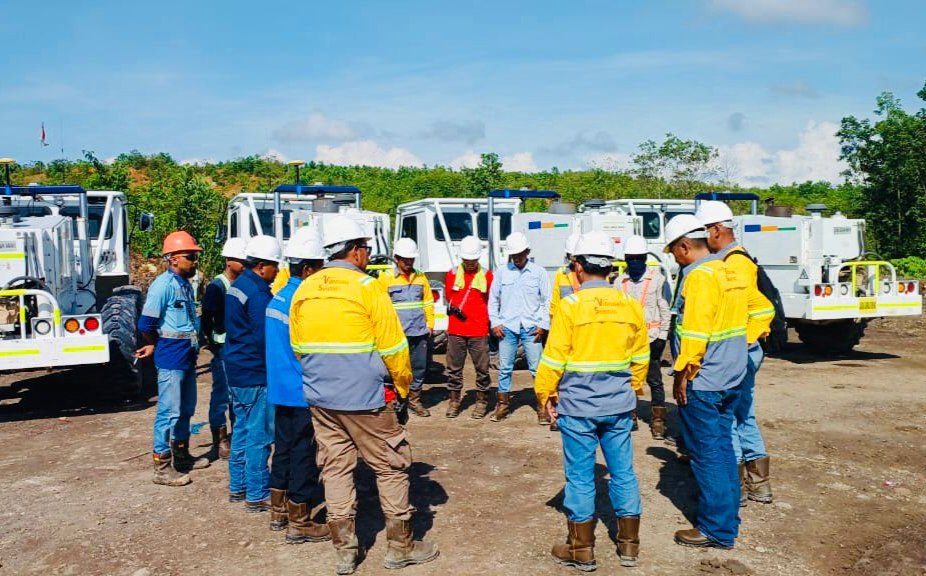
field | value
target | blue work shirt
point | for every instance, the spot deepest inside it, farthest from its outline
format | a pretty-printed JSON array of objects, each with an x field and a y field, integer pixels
[
  {"x": 170, "y": 312},
  {"x": 245, "y": 315},
  {"x": 284, "y": 371},
  {"x": 520, "y": 298}
]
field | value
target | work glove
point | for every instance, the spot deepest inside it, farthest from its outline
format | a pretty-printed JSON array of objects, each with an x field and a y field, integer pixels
[{"x": 401, "y": 410}]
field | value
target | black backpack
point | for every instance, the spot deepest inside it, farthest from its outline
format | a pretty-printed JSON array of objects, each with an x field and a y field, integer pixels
[{"x": 778, "y": 334}]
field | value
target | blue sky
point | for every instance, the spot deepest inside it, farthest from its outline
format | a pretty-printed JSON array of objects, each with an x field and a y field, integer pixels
[{"x": 542, "y": 83}]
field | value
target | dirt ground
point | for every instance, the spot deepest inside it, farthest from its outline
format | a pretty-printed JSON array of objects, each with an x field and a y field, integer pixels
[{"x": 846, "y": 435}]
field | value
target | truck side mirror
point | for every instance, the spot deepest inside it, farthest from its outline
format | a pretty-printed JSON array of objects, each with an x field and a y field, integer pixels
[
  {"x": 146, "y": 221},
  {"x": 221, "y": 233}
]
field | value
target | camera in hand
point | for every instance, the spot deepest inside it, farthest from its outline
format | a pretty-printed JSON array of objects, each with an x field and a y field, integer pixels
[{"x": 454, "y": 311}]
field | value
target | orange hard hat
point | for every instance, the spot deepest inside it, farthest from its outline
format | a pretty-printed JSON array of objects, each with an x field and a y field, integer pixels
[{"x": 180, "y": 241}]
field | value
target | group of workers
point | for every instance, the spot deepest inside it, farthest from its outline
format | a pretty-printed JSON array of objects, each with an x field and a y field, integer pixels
[{"x": 323, "y": 363}]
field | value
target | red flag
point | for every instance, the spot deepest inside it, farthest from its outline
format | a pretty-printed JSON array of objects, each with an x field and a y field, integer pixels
[{"x": 43, "y": 135}]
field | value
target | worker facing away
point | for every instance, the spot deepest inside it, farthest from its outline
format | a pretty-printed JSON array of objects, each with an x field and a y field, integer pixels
[
  {"x": 411, "y": 296},
  {"x": 519, "y": 313},
  {"x": 594, "y": 360},
  {"x": 246, "y": 363},
  {"x": 168, "y": 329},
  {"x": 295, "y": 486},
  {"x": 751, "y": 454},
  {"x": 349, "y": 338},
  {"x": 212, "y": 326},
  {"x": 709, "y": 373},
  {"x": 565, "y": 281},
  {"x": 467, "y": 292},
  {"x": 648, "y": 286}
]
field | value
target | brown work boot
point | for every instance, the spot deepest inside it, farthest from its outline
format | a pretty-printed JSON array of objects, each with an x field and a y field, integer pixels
[
  {"x": 221, "y": 445},
  {"x": 742, "y": 473},
  {"x": 256, "y": 507},
  {"x": 481, "y": 406},
  {"x": 346, "y": 546},
  {"x": 278, "y": 514},
  {"x": 657, "y": 425},
  {"x": 183, "y": 459},
  {"x": 501, "y": 407},
  {"x": 694, "y": 539},
  {"x": 579, "y": 549},
  {"x": 165, "y": 474},
  {"x": 758, "y": 484},
  {"x": 543, "y": 418},
  {"x": 453, "y": 406},
  {"x": 301, "y": 527},
  {"x": 401, "y": 550},
  {"x": 636, "y": 423},
  {"x": 415, "y": 405},
  {"x": 628, "y": 540}
]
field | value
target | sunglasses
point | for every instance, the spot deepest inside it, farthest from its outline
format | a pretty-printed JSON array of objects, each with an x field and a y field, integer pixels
[{"x": 191, "y": 257}]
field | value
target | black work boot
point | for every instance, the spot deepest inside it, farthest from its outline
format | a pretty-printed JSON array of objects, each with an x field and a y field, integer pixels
[
  {"x": 165, "y": 474},
  {"x": 184, "y": 460},
  {"x": 579, "y": 549},
  {"x": 402, "y": 551}
]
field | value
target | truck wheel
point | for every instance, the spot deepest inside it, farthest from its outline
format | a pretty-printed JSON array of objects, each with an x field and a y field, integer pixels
[
  {"x": 120, "y": 321},
  {"x": 832, "y": 339}
]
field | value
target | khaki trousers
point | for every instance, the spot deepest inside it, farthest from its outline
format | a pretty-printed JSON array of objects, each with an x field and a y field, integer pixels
[{"x": 377, "y": 437}]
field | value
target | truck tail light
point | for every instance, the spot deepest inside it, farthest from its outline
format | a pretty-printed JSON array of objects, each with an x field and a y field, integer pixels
[
  {"x": 911, "y": 287},
  {"x": 901, "y": 287},
  {"x": 72, "y": 325},
  {"x": 827, "y": 290},
  {"x": 91, "y": 324}
]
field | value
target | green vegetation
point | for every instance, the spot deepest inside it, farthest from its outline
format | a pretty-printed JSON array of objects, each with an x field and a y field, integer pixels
[{"x": 910, "y": 267}]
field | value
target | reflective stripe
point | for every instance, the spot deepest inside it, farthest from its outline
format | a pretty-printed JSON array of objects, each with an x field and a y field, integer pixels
[
  {"x": 727, "y": 334},
  {"x": 334, "y": 347},
  {"x": 551, "y": 362},
  {"x": 278, "y": 315},
  {"x": 15, "y": 292},
  {"x": 367, "y": 279},
  {"x": 12, "y": 255},
  {"x": 639, "y": 358},
  {"x": 572, "y": 298},
  {"x": 394, "y": 349},
  {"x": 222, "y": 278},
  {"x": 691, "y": 334},
  {"x": 408, "y": 305},
  {"x": 20, "y": 353},
  {"x": 762, "y": 313},
  {"x": 177, "y": 335},
  {"x": 239, "y": 295},
  {"x": 85, "y": 349},
  {"x": 602, "y": 366}
]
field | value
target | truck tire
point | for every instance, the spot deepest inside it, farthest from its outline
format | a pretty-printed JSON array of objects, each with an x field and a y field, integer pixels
[
  {"x": 120, "y": 322},
  {"x": 832, "y": 339}
]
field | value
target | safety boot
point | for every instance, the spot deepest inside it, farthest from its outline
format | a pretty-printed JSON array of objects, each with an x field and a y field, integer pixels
[
  {"x": 165, "y": 474},
  {"x": 636, "y": 423},
  {"x": 184, "y": 460},
  {"x": 301, "y": 527},
  {"x": 401, "y": 550},
  {"x": 278, "y": 514},
  {"x": 657, "y": 424},
  {"x": 453, "y": 406},
  {"x": 743, "y": 492},
  {"x": 481, "y": 406},
  {"x": 501, "y": 407},
  {"x": 221, "y": 444},
  {"x": 628, "y": 540},
  {"x": 415, "y": 405},
  {"x": 579, "y": 549},
  {"x": 758, "y": 483},
  {"x": 543, "y": 418},
  {"x": 346, "y": 546}
]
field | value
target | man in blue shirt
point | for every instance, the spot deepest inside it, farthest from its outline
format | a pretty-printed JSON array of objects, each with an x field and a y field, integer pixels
[
  {"x": 519, "y": 313},
  {"x": 295, "y": 489},
  {"x": 168, "y": 328},
  {"x": 246, "y": 367}
]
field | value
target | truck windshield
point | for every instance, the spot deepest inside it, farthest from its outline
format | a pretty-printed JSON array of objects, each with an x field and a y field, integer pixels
[
  {"x": 504, "y": 225},
  {"x": 265, "y": 215},
  {"x": 459, "y": 225},
  {"x": 651, "y": 225},
  {"x": 94, "y": 219}
]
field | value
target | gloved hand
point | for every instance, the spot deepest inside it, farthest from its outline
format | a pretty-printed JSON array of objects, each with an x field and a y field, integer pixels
[{"x": 401, "y": 410}]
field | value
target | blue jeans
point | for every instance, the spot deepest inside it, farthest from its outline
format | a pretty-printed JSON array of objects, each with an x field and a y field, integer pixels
[
  {"x": 508, "y": 351},
  {"x": 250, "y": 447},
  {"x": 219, "y": 399},
  {"x": 747, "y": 438},
  {"x": 581, "y": 438},
  {"x": 708, "y": 422},
  {"x": 176, "y": 405}
]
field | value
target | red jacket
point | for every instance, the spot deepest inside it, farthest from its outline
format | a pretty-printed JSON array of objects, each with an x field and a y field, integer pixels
[{"x": 476, "y": 306}]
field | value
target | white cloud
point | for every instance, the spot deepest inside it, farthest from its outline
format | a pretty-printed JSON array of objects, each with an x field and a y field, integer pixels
[
  {"x": 816, "y": 157},
  {"x": 840, "y": 12},
  {"x": 468, "y": 159},
  {"x": 197, "y": 161},
  {"x": 273, "y": 154},
  {"x": 316, "y": 127},
  {"x": 520, "y": 162},
  {"x": 610, "y": 161},
  {"x": 365, "y": 153}
]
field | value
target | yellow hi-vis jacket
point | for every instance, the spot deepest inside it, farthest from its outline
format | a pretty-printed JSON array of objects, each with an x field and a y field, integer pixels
[
  {"x": 411, "y": 296},
  {"x": 596, "y": 355},
  {"x": 564, "y": 284},
  {"x": 348, "y": 337},
  {"x": 281, "y": 279},
  {"x": 711, "y": 326},
  {"x": 761, "y": 311}
]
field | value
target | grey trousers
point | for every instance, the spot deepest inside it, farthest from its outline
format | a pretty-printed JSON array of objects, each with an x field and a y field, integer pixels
[{"x": 478, "y": 349}]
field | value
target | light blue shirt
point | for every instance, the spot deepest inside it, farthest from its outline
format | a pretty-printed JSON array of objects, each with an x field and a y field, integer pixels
[{"x": 520, "y": 298}]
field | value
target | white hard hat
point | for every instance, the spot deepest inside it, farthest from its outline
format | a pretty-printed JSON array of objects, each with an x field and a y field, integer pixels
[
  {"x": 595, "y": 244},
  {"x": 681, "y": 226},
  {"x": 235, "y": 248},
  {"x": 264, "y": 248},
  {"x": 405, "y": 248},
  {"x": 306, "y": 244},
  {"x": 470, "y": 248},
  {"x": 571, "y": 242},
  {"x": 342, "y": 229},
  {"x": 713, "y": 212},
  {"x": 517, "y": 243},
  {"x": 635, "y": 245}
]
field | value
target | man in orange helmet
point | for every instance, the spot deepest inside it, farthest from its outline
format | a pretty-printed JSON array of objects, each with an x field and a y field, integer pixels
[{"x": 168, "y": 327}]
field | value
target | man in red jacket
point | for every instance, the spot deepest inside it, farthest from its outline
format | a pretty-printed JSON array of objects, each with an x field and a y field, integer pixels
[{"x": 467, "y": 291}]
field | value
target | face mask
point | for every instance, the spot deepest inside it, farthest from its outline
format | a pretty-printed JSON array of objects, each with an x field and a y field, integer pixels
[{"x": 636, "y": 269}]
